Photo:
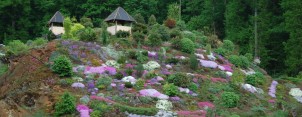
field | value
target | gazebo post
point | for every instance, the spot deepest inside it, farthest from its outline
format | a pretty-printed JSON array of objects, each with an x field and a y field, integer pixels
[
  {"x": 131, "y": 28},
  {"x": 115, "y": 26}
]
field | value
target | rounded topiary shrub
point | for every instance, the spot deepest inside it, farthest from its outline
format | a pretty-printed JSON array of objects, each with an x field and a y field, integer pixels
[
  {"x": 230, "y": 99},
  {"x": 187, "y": 45},
  {"x": 62, "y": 66},
  {"x": 170, "y": 89},
  {"x": 228, "y": 45},
  {"x": 179, "y": 79}
]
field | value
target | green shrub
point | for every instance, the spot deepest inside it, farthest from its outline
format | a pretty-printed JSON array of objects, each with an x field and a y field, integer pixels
[
  {"x": 122, "y": 34},
  {"x": 66, "y": 82},
  {"x": 228, "y": 45},
  {"x": 221, "y": 51},
  {"x": 139, "y": 69},
  {"x": 85, "y": 21},
  {"x": 255, "y": 79},
  {"x": 187, "y": 45},
  {"x": 141, "y": 56},
  {"x": 209, "y": 49},
  {"x": 220, "y": 74},
  {"x": 179, "y": 79},
  {"x": 129, "y": 72},
  {"x": 181, "y": 25},
  {"x": 106, "y": 81},
  {"x": 154, "y": 39},
  {"x": 249, "y": 56},
  {"x": 66, "y": 105},
  {"x": 189, "y": 35},
  {"x": 164, "y": 33},
  {"x": 105, "y": 34},
  {"x": 62, "y": 66},
  {"x": 138, "y": 37},
  {"x": 137, "y": 110},
  {"x": 121, "y": 60},
  {"x": 239, "y": 61},
  {"x": 139, "y": 27},
  {"x": 237, "y": 77},
  {"x": 118, "y": 76},
  {"x": 3, "y": 68},
  {"x": 139, "y": 84},
  {"x": 152, "y": 20},
  {"x": 87, "y": 34},
  {"x": 16, "y": 47},
  {"x": 75, "y": 29},
  {"x": 131, "y": 54},
  {"x": 151, "y": 75},
  {"x": 96, "y": 113},
  {"x": 139, "y": 18},
  {"x": 176, "y": 43},
  {"x": 39, "y": 42},
  {"x": 172, "y": 60},
  {"x": 230, "y": 99},
  {"x": 128, "y": 85},
  {"x": 67, "y": 27},
  {"x": 176, "y": 34},
  {"x": 100, "y": 107},
  {"x": 193, "y": 62},
  {"x": 193, "y": 87},
  {"x": 170, "y": 89}
]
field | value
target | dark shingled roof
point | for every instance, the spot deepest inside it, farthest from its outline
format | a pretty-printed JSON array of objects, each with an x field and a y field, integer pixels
[
  {"x": 119, "y": 15},
  {"x": 57, "y": 18}
]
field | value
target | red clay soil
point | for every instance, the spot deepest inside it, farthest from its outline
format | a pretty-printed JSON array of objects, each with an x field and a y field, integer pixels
[{"x": 26, "y": 85}]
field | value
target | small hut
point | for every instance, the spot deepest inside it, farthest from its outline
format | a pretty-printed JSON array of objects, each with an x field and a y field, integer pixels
[
  {"x": 119, "y": 17},
  {"x": 56, "y": 24}
]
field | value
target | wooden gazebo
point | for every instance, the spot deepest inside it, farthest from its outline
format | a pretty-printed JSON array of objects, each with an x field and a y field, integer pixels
[
  {"x": 56, "y": 24},
  {"x": 120, "y": 17}
]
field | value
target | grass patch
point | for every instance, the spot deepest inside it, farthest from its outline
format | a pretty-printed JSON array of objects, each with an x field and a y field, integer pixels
[{"x": 3, "y": 68}]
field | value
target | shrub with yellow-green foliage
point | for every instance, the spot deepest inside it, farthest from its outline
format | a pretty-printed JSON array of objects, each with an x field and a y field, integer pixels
[{"x": 238, "y": 77}]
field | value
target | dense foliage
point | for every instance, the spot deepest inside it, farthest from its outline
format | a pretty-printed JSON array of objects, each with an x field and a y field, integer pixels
[
  {"x": 179, "y": 79},
  {"x": 62, "y": 66},
  {"x": 66, "y": 105},
  {"x": 230, "y": 99}
]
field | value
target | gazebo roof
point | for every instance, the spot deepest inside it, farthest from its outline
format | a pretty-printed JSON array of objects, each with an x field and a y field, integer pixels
[
  {"x": 119, "y": 14},
  {"x": 56, "y": 18}
]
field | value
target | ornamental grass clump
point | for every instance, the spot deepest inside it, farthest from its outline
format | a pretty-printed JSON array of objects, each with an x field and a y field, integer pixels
[{"x": 62, "y": 66}]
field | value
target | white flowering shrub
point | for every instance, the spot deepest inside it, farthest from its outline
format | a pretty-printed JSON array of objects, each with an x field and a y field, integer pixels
[
  {"x": 296, "y": 93},
  {"x": 112, "y": 52},
  {"x": 164, "y": 105},
  {"x": 151, "y": 65},
  {"x": 78, "y": 79},
  {"x": 112, "y": 63},
  {"x": 129, "y": 79}
]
